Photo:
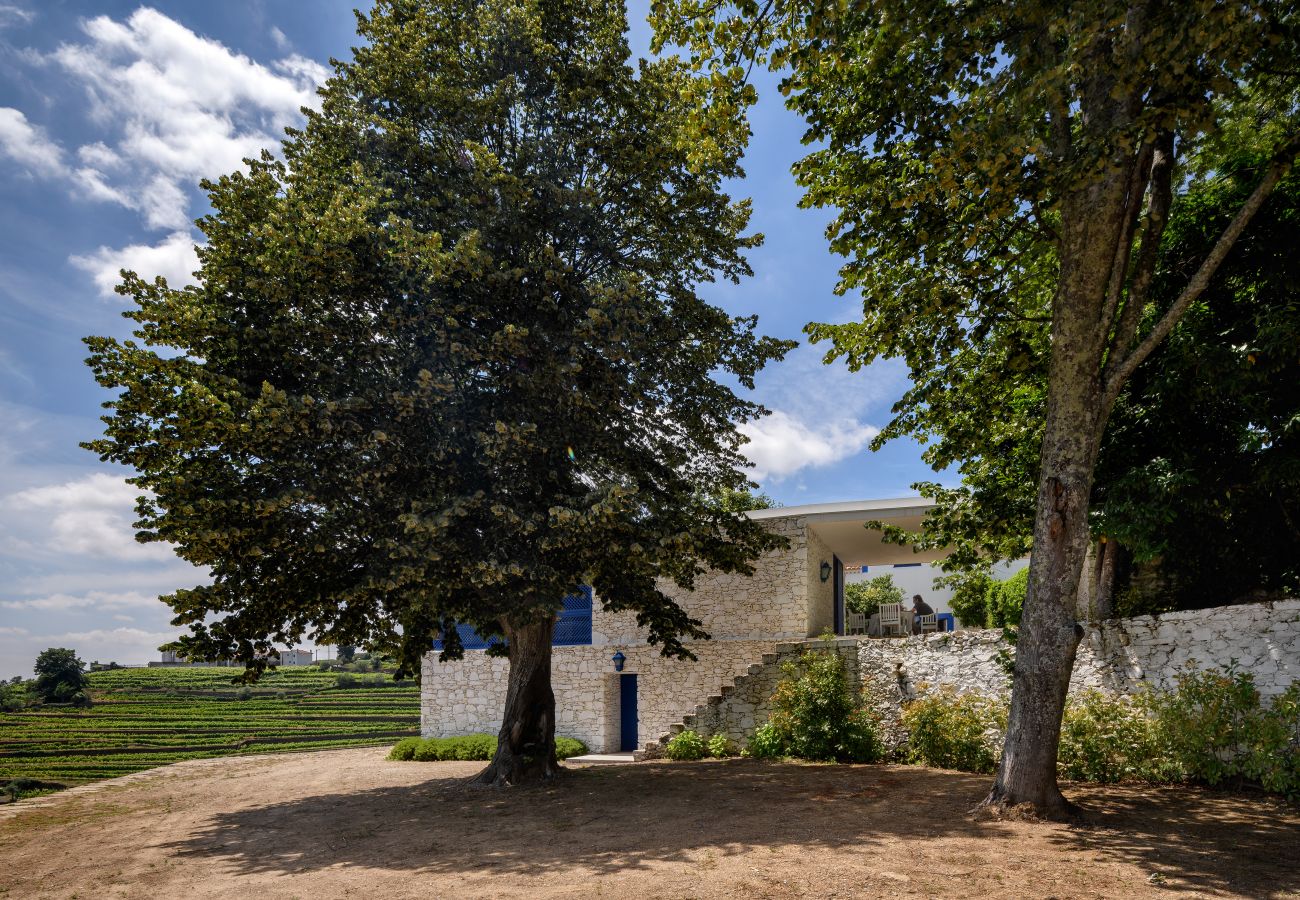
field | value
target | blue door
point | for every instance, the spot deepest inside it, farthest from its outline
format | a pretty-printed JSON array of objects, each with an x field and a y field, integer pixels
[{"x": 627, "y": 712}]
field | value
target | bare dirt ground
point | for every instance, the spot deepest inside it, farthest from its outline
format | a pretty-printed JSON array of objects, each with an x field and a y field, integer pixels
[{"x": 349, "y": 823}]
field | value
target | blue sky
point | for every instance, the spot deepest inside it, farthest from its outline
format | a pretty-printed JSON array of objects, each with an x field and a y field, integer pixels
[{"x": 110, "y": 113}]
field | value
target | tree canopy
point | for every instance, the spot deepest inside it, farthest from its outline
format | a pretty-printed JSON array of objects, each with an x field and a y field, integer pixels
[
  {"x": 1199, "y": 472},
  {"x": 60, "y": 676},
  {"x": 995, "y": 163},
  {"x": 446, "y": 362}
]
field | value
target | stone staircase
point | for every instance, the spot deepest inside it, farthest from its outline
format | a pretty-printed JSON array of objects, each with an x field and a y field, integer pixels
[{"x": 741, "y": 706}]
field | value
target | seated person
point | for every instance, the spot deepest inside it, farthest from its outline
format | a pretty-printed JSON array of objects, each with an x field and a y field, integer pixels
[{"x": 919, "y": 608}]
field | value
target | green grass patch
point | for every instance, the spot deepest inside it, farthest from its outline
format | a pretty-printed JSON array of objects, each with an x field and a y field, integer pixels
[{"x": 469, "y": 747}]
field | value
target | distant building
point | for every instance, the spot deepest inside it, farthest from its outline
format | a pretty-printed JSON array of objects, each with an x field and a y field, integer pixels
[{"x": 294, "y": 657}]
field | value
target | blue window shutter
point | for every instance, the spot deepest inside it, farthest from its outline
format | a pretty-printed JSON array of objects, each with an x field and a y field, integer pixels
[
  {"x": 469, "y": 639},
  {"x": 573, "y": 625}
]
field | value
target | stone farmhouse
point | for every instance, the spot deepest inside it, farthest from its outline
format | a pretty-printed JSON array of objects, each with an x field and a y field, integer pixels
[
  {"x": 611, "y": 705},
  {"x": 616, "y": 693}
]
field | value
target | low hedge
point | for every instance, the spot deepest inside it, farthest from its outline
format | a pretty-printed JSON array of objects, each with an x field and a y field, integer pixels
[
  {"x": 469, "y": 747},
  {"x": 1213, "y": 727}
]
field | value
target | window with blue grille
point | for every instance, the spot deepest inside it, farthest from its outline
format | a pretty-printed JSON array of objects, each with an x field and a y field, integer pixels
[{"x": 572, "y": 626}]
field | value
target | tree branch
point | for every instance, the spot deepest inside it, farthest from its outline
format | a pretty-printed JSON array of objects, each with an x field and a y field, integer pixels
[
  {"x": 1277, "y": 170},
  {"x": 1143, "y": 174},
  {"x": 1160, "y": 184}
]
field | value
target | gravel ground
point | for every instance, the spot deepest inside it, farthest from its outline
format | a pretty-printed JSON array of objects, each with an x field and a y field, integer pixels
[{"x": 350, "y": 823}]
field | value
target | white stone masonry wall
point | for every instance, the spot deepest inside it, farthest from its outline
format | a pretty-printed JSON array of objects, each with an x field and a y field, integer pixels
[
  {"x": 772, "y": 604},
  {"x": 468, "y": 696},
  {"x": 1119, "y": 656}
]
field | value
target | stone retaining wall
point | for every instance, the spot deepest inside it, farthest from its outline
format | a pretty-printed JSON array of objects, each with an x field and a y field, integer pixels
[{"x": 1118, "y": 656}]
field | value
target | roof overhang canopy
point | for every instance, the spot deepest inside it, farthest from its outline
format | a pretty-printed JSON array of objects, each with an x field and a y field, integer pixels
[{"x": 842, "y": 526}]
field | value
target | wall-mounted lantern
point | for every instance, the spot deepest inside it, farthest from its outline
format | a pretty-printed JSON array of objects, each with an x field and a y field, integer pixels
[
  {"x": 826, "y": 570},
  {"x": 618, "y": 659}
]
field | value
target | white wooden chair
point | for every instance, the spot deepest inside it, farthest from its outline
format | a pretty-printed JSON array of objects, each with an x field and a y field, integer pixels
[
  {"x": 928, "y": 622},
  {"x": 855, "y": 623},
  {"x": 891, "y": 618}
]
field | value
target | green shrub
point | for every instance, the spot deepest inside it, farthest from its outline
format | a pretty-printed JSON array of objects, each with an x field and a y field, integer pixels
[
  {"x": 404, "y": 749},
  {"x": 720, "y": 747},
  {"x": 1214, "y": 728},
  {"x": 1274, "y": 756},
  {"x": 1205, "y": 723},
  {"x": 955, "y": 731},
  {"x": 566, "y": 747},
  {"x": 865, "y": 596},
  {"x": 468, "y": 747},
  {"x": 686, "y": 745},
  {"x": 1105, "y": 738},
  {"x": 765, "y": 743},
  {"x": 427, "y": 750},
  {"x": 816, "y": 714},
  {"x": 1006, "y": 600},
  {"x": 474, "y": 746},
  {"x": 1211, "y": 728},
  {"x": 971, "y": 600}
]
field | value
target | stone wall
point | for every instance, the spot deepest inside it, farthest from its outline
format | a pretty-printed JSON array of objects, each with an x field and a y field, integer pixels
[
  {"x": 772, "y": 604},
  {"x": 745, "y": 615},
  {"x": 1118, "y": 656},
  {"x": 467, "y": 696},
  {"x": 821, "y": 594}
]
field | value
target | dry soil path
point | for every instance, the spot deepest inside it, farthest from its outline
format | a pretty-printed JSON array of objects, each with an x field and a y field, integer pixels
[{"x": 349, "y": 823}]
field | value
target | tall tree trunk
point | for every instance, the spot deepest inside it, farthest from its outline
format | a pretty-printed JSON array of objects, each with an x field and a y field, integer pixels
[
  {"x": 1108, "y": 573},
  {"x": 1077, "y": 410},
  {"x": 526, "y": 742},
  {"x": 1049, "y": 632}
]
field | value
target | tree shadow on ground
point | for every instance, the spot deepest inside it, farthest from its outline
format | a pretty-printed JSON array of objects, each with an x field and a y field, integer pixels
[
  {"x": 1195, "y": 839},
  {"x": 606, "y": 819},
  {"x": 601, "y": 821}
]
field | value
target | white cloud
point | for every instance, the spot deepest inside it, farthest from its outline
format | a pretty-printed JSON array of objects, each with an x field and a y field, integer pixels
[
  {"x": 14, "y": 15},
  {"x": 780, "y": 445},
  {"x": 187, "y": 106},
  {"x": 91, "y": 516},
  {"x": 820, "y": 392},
  {"x": 13, "y": 632},
  {"x": 281, "y": 40},
  {"x": 29, "y": 145},
  {"x": 173, "y": 107},
  {"x": 175, "y": 259},
  {"x": 131, "y": 646},
  {"x": 95, "y": 601}
]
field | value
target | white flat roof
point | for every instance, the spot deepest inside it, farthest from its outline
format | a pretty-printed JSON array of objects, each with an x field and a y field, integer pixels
[
  {"x": 841, "y": 527},
  {"x": 848, "y": 509}
]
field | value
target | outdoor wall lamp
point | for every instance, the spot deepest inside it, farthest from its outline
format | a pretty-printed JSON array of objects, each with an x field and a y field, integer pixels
[
  {"x": 826, "y": 570},
  {"x": 619, "y": 659}
]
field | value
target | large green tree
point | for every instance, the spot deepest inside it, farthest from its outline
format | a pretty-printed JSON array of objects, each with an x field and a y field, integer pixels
[
  {"x": 973, "y": 148},
  {"x": 446, "y": 361},
  {"x": 1198, "y": 477},
  {"x": 60, "y": 676}
]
